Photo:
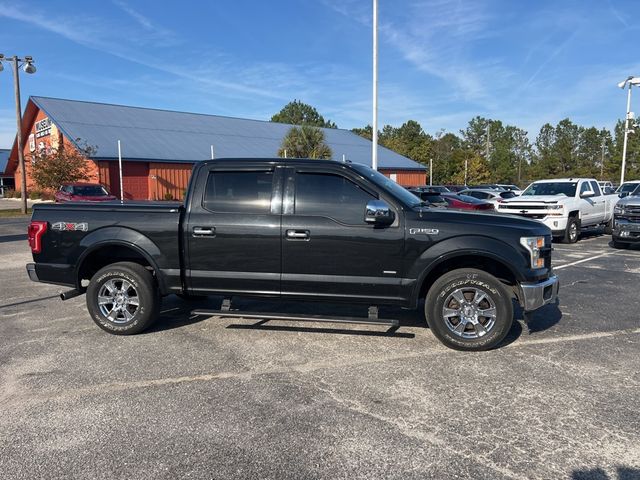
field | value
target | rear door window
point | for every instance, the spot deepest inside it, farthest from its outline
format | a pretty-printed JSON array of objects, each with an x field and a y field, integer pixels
[{"x": 239, "y": 192}]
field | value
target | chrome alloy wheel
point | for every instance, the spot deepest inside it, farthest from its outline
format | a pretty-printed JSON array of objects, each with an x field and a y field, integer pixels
[
  {"x": 469, "y": 312},
  {"x": 573, "y": 231},
  {"x": 118, "y": 301}
]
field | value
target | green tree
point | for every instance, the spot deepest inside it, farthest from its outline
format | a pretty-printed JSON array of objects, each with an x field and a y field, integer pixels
[
  {"x": 304, "y": 142},
  {"x": 366, "y": 132},
  {"x": 298, "y": 113},
  {"x": 51, "y": 168}
]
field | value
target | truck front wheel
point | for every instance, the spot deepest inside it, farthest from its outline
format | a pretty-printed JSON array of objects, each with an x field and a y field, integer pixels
[
  {"x": 572, "y": 232},
  {"x": 468, "y": 309},
  {"x": 123, "y": 299}
]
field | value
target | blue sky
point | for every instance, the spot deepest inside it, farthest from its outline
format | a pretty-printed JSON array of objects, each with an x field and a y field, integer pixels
[{"x": 441, "y": 62}]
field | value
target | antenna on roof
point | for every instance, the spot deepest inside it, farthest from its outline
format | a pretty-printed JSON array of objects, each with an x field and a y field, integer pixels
[
  {"x": 212, "y": 155},
  {"x": 344, "y": 158}
]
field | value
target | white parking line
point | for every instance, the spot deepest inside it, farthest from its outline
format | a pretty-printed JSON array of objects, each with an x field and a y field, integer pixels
[{"x": 585, "y": 260}]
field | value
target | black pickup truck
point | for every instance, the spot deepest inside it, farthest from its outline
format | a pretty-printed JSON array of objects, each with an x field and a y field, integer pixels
[{"x": 301, "y": 230}]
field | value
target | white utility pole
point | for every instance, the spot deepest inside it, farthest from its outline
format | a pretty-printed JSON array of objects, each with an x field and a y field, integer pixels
[
  {"x": 630, "y": 82},
  {"x": 120, "y": 168},
  {"x": 626, "y": 135},
  {"x": 430, "y": 171},
  {"x": 374, "y": 136}
]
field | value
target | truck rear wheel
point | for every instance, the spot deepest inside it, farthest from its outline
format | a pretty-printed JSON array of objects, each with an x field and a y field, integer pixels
[
  {"x": 123, "y": 298},
  {"x": 468, "y": 309}
]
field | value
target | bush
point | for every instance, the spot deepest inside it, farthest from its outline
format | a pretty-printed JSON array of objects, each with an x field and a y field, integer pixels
[
  {"x": 168, "y": 196},
  {"x": 9, "y": 193},
  {"x": 34, "y": 194},
  {"x": 45, "y": 195},
  {"x": 17, "y": 194}
]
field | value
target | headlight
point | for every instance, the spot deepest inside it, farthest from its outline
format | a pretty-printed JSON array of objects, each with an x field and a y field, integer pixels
[
  {"x": 533, "y": 245},
  {"x": 556, "y": 207},
  {"x": 618, "y": 209}
]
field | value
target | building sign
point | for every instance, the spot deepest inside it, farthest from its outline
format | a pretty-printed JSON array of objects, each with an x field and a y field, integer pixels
[
  {"x": 43, "y": 128},
  {"x": 32, "y": 143}
]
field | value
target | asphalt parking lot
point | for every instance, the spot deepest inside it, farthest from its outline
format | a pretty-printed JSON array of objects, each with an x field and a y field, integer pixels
[{"x": 232, "y": 398}]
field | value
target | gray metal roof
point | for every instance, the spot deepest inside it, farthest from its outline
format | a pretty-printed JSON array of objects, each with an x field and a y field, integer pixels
[
  {"x": 4, "y": 158},
  {"x": 163, "y": 135}
]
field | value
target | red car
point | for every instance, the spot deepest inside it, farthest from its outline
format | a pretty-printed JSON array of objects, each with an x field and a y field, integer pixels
[
  {"x": 83, "y": 192},
  {"x": 451, "y": 200},
  {"x": 466, "y": 202}
]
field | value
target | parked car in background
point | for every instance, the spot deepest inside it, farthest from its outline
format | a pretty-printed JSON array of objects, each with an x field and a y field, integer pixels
[
  {"x": 453, "y": 201},
  {"x": 511, "y": 188},
  {"x": 83, "y": 192},
  {"x": 604, "y": 184},
  {"x": 488, "y": 186},
  {"x": 627, "y": 187},
  {"x": 566, "y": 205},
  {"x": 431, "y": 188},
  {"x": 626, "y": 222},
  {"x": 456, "y": 188},
  {"x": 488, "y": 195}
]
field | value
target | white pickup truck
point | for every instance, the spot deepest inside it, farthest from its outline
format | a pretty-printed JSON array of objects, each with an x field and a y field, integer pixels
[{"x": 565, "y": 205}]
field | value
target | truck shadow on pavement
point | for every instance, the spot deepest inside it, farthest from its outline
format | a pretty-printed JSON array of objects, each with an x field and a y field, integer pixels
[
  {"x": 176, "y": 313},
  {"x": 622, "y": 473}
]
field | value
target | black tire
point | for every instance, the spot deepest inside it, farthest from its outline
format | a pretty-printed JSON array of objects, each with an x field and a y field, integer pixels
[
  {"x": 124, "y": 283},
  {"x": 572, "y": 232},
  {"x": 620, "y": 245},
  {"x": 470, "y": 283},
  {"x": 608, "y": 228}
]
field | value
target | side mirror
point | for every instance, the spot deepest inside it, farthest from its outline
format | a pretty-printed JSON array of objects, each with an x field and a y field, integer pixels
[
  {"x": 623, "y": 194},
  {"x": 587, "y": 194},
  {"x": 378, "y": 212}
]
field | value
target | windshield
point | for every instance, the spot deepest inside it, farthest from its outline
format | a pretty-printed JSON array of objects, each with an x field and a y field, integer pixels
[
  {"x": 636, "y": 192},
  {"x": 628, "y": 188},
  {"x": 90, "y": 191},
  {"x": 405, "y": 196},
  {"x": 552, "y": 188}
]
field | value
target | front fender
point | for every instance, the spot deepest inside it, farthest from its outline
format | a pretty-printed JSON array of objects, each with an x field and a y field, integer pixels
[{"x": 465, "y": 246}]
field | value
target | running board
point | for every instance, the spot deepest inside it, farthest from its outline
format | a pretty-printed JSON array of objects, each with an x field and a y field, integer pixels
[{"x": 297, "y": 318}]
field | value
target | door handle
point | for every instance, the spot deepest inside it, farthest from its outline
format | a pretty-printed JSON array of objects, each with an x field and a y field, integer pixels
[
  {"x": 204, "y": 231},
  {"x": 298, "y": 235}
]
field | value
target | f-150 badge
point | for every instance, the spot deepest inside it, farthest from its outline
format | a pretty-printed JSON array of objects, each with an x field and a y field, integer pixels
[
  {"x": 70, "y": 227},
  {"x": 426, "y": 231}
]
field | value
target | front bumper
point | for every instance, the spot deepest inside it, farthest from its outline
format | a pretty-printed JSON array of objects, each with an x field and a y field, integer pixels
[
  {"x": 536, "y": 295},
  {"x": 626, "y": 231},
  {"x": 31, "y": 271}
]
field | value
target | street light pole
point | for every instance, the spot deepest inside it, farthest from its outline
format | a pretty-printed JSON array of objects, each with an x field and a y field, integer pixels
[
  {"x": 23, "y": 173},
  {"x": 27, "y": 63},
  {"x": 626, "y": 135},
  {"x": 374, "y": 136},
  {"x": 630, "y": 81}
]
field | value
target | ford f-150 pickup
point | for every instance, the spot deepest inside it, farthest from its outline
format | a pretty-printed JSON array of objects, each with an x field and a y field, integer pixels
[
  {"x": 565, "y": 205},
  {"x": 302, "y": 230}
]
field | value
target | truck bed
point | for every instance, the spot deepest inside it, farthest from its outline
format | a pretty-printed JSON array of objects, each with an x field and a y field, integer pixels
[{"x": 149, "y": 229}]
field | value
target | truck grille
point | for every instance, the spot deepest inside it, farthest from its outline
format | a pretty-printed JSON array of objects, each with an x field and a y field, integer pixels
[
  {"x": 632, "y": 210},
  {"x": 517, "y": 206}
]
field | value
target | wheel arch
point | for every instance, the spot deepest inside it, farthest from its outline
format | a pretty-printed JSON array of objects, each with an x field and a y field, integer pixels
[
  {"x": 103, "y": 253},
  {"x": 487, "y": 261}
]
